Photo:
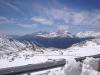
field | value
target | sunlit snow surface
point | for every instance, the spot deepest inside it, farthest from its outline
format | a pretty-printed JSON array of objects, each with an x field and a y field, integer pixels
[
  {"x": 23, "y": 55},
  {"x": 88, "y": 67}
]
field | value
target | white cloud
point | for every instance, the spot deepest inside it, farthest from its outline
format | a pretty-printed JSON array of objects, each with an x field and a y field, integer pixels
[
  {"x": 26, "y": 25},
  {"x": 96, "y": 19},
  {"x": 76, "y": 17},
  {"x": 42, "y": 21},
  {"x": 5, "y": 20},
  {"x": 13, "y": 7},
  {"x": 61, "y": 14},
  {"x": 62, "y": 27},
  {"x": 69, "y": 17}
]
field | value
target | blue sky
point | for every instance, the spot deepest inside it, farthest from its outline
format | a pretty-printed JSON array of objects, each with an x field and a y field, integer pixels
[{"x": 27, "y": 16}]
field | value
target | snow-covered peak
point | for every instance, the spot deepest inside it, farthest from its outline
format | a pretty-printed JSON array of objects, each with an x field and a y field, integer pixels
[
  {"x": 47, "y": 35},
  {"x": 11, "y": 46},
  {"x": 55, "y": 34},
  {"x": 88, "y": 34},
  {"x": 8, "y": 45},
  {"x": 66, "y": 33}
]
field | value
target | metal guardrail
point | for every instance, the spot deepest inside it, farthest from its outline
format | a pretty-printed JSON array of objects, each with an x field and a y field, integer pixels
[
  {"x": 82, "y": 58},
  {"x": 27, "y": 69}
]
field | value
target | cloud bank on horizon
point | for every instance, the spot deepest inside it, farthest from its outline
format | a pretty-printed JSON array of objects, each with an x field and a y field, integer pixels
[{"x": 27, "y": 16}]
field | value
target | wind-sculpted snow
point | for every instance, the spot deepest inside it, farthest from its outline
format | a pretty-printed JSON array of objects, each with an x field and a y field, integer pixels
[
  {"x": 89, "y": 66},
  {"x": 73, "y": 68}
]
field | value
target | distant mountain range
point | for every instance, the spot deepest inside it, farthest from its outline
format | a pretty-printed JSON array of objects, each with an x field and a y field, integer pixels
[
  {"x": 59, "y": 39},
  {"x": 88, "y": 34},
  {"x": 39, "y": 42}
]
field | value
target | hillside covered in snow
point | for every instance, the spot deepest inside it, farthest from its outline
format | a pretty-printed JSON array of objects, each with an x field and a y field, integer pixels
[
  {"x": 88, "y": 34},
  {"x": 15, "y": 53}
]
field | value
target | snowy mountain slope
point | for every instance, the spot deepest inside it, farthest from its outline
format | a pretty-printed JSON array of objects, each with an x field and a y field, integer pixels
[
  {"x": 87, "y": 48},
  {"x": 25, "y": 53},
  {"x": 84, "y": 49},
  {"x": 56, "y": 34},
  {"x": 9, "y": 46},
  {"x": 88, "y": 34}
]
